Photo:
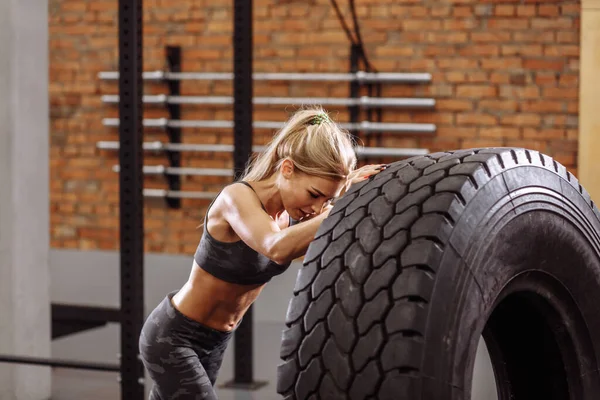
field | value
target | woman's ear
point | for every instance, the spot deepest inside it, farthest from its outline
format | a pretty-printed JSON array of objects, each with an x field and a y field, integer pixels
[{"x": 287, "y": 168}]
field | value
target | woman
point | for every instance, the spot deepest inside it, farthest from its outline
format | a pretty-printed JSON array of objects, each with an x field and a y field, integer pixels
[{"x": 249, "y": 236}]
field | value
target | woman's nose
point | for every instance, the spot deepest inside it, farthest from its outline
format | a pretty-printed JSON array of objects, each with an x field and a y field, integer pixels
[{"x": 317, "y": 207}]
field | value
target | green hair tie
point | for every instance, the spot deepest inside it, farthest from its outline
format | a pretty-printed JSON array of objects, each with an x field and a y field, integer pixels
[{"x": 319, "y": 119}]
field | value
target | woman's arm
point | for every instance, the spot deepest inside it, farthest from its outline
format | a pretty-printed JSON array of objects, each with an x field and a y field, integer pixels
[{"x": 259, "y": 231}]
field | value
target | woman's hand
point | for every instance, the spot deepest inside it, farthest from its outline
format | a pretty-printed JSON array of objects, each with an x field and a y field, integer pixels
[{"x": 361, "y": 175}]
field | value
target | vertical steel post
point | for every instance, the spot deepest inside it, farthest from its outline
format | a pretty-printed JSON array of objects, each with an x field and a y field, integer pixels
[
  {"x": 355, "y": 54},
  {"x": 131, "y": 202},
  {"x": 242, "y": 86},
  {"x": 173, "y": 54}
]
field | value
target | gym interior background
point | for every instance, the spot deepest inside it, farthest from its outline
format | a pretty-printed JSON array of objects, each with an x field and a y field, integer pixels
[{"x": 501, "y": 73}]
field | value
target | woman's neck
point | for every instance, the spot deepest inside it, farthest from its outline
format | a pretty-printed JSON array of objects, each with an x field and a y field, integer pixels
[{"x": 268, "y": 193}]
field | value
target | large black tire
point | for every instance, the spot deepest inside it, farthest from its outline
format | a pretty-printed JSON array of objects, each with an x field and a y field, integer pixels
[{"x": 412, "y": 267}]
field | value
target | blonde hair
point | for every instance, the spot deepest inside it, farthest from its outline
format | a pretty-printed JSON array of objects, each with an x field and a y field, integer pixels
[{"x": 313, "y": 142}]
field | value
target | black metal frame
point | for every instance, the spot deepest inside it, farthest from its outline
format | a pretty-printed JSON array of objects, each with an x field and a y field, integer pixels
[
  {"x": 131, "y": 201},
  {"x": 243, "y": 376},
  {"x": 357, "y": 57},
  {"x": 173, "y": 55},
  {"x": 68, "y": 319}
]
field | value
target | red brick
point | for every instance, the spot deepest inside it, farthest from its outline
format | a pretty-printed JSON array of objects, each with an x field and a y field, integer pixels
[
  {"x": 447, "y": 37},
  {"x": 526, "y": 10},
  {"x": 476, "y": 119},
  {"x": 546, "y": 133},
  {"x": 462, "y": 11},
  {"x": 422, "y": 25},
  {"x": 499, "y": 77},
  {"x": 567, "y": 37},
  {"x": 498, "y": 105},
  {"x": 453, "y": 105},
  {"x": 519, "y": 92},
  {"x": 568, "y": 80},
  {"x": 534, "y": 37},
  {"x": 434, "y": 51},
  {"x": 552, "y": 23},
  {"x": 545, "y": 78},
  {"x": 460, "y": 24},
  {"x": 495, "y": 37},
  {"x": 543, "y": 106},
  {"x": 457, "y": 63},
  {"x": 548, "y": 10},
  {"x": 440, "y": 10},
  {"x": 476, "y": 91},
  {"x": 504, "y": 10},
  {"x": 502, "y": 63},
  {"x": 499, "y": 132},
  {"x": 521, "y": 120},
  {"x": 561, "y": 51},
  {"x": 508, "y": 23},
  {"x": 453, "y": 131},
  {"x": 480, "y": 50},
  {"x": 573, "y": 9},
  {"x": 544, "y": 64},
  {"x": 561, "y": 93},
  {"x": 478, "y": 77},
  {"x": 522, "y": 50},
  {"x": 484, "y": 142}
]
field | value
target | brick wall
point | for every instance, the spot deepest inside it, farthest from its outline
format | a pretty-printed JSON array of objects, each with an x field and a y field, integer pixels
[{"x": 505, "y": 73}]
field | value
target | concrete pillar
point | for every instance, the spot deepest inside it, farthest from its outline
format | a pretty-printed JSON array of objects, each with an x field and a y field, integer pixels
[
  {"x": 24, "y": 198},
  {"x": 589, "y": 102}
]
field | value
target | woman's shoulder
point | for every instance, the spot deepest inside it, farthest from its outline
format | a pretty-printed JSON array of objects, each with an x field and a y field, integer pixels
[{"x": 239, "y": 194}]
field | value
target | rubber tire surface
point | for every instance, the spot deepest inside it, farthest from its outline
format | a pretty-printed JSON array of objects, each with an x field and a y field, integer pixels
[{"x": 397, "y": 286}]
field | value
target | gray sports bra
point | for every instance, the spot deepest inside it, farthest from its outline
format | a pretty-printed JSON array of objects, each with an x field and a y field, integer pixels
[{"x": 235, "y": 262}]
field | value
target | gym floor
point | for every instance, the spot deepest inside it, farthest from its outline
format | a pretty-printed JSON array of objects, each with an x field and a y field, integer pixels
[{"x": 102, "y": 345}]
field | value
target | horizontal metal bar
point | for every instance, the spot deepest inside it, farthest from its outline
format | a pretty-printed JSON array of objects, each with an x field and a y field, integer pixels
[
  {"x": 365, "y": 152},
  {"x": 360, "y": 76},
  {"x": 160, "y": 146},
  {"x": 163, "y": 170},
  {"x": 364, "y": 126},
  {"x": 226, "y": 148},
  {"x": 179, "y": 194},
  {"x": 59, "y": 363},
  {"x": 363, "y": 101},
  {"x": 78, "y": 312}
]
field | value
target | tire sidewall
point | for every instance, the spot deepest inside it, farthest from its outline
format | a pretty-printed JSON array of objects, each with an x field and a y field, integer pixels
[{"x": 471, "y": 277}]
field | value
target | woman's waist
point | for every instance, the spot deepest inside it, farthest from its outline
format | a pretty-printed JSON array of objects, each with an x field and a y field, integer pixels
[{"x": 214, "y": 303}]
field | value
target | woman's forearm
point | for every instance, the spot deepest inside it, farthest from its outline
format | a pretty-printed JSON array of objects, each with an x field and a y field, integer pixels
[{"x": 293, "y": 242}]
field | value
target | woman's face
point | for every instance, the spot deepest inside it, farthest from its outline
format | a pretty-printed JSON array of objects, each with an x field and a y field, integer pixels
[{"x": 305, "y": 195}]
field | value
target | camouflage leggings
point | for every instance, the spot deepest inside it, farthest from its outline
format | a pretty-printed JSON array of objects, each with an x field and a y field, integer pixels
[{"x": 182, "y": 356}]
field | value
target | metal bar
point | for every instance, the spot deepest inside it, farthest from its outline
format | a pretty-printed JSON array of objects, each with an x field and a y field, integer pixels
[
  {"x": 363, "y": 101},
  {"x": 179, "y": 194},
  {"x": 174, "y": 61},
  {"x": 360, "y": 76},
  {"x": 131, "y": 201},
  {"x": 354, "y": 88},
  {"x": 165, "y": 170},
  {"x": 159, "y": 146},
  {"x": 59, "y": 363},
  {"x": 86, "y": 313},
  {"x": 364, "y": 152},
  {"x": 243, "y": 368},
  {"x": 225, "y": 148},
  {"x": 363, "y": 126}
]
